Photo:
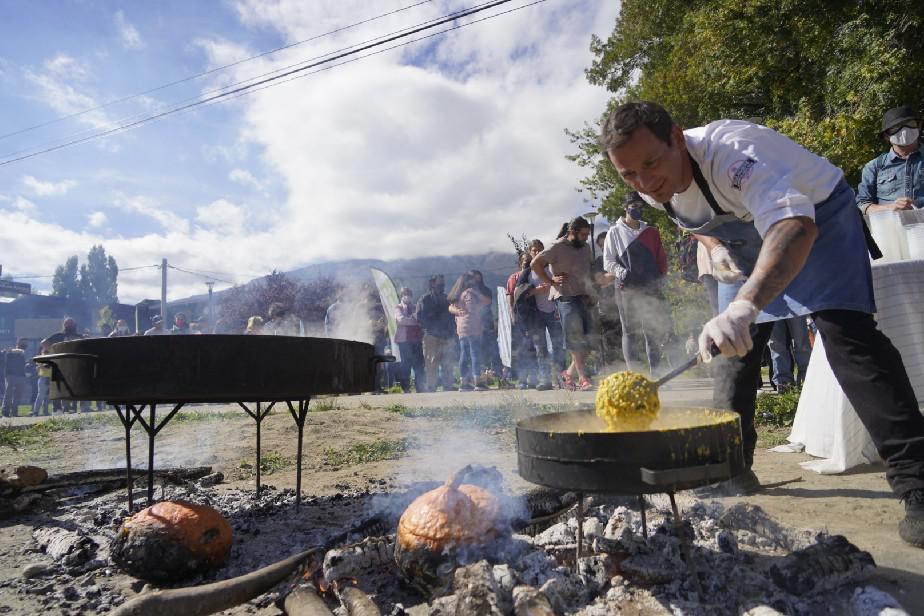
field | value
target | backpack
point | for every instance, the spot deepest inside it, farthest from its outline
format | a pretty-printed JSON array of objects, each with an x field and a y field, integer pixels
[{"x": 686, "y": 254}]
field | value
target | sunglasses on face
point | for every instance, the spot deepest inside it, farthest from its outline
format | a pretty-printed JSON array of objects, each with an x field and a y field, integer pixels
[{"x": 912, "y": 124}]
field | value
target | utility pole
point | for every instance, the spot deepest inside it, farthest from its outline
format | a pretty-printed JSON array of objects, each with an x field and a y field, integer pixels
[
  {"x": 163, "y": 291},
  {"x": 211, "y": 284}
]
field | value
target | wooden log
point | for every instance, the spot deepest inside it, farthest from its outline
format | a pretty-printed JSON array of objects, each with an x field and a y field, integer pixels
[
  {"x": 358, "y": 603},
  {"x": 304, "y": 601},
  {"x": 116, "y": 476},
  {"x": 829, "y": 564},
  {"x": 215, "y": 597},
  {"x": 67, "y": 546}
]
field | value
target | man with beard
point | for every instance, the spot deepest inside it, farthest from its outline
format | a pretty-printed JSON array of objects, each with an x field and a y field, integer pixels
[
  {"x": 570, "y": 259},
  {"x": 439, "y": 335},
  {"x": 787, "y": 220}
]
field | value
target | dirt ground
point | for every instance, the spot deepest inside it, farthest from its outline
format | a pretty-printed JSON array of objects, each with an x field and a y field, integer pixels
[{"x": 443, "y": 432}]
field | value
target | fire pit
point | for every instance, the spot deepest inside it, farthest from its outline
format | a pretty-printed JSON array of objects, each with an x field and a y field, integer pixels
[
  {"x": 683, "y": 449},
  {"x": 137, "y": 373}
]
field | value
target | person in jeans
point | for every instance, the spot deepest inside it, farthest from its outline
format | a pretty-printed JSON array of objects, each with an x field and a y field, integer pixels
[
  {"x": 40, "y": 406},
  {"x": 409, "y": 338},
  {"x": 572, "y": 288},
  {"x": 439, "y": 335},
  {"x": 782, "y": 353},
  {"x": 633, "y": 253},
  {"x": 548, "y": 311},
  {"x": 466, "y": 304},
  {"x": 522, "y": 309},
  {"x": 14, "y": 376},
  {"x": 534, "y": 355}
]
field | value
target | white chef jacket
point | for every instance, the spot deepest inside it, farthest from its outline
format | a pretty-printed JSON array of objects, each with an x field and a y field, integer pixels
[{"x": 754, "y": 173}]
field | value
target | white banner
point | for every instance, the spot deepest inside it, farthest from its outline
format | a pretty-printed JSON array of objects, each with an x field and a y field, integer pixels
[
  {"x": 389, "y": 298},
  {"x": 504, "y": 327}
]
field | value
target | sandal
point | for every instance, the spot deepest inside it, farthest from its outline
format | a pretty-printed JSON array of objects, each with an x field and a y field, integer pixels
[
  {"x": 586, "y": 385},
  {"x": 564, "y": 377}
]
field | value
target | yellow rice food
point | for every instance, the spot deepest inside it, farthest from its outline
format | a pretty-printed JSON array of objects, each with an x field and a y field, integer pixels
[{"x": 627, "y": 400}]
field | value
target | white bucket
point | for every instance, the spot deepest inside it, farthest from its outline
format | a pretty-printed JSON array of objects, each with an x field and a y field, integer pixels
[
  {"x": 915, "y": 239},
  {"x": 887, "y": 230}
]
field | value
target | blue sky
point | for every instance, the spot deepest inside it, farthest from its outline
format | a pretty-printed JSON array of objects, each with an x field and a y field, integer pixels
[{"x": 440, "y": 147}]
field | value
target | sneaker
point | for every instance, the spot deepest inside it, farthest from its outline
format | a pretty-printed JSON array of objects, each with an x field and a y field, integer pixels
[
  {"x": 481, "y": 388},
  {"x": 543, "y": 387},
  {"x": 522, "y": 385},
  {"x": 911, "y": 529},
  {"x": 586, "y": 385},
  {"x": 744, "y": 484},
  {"x": 466, "y": 387}
]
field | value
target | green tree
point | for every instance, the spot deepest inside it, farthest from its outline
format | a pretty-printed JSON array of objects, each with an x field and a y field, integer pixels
[
  {"x": 95, "y": 282},
  {"x": 65, "y": 282},
  {"x": 99, "y": 278}
]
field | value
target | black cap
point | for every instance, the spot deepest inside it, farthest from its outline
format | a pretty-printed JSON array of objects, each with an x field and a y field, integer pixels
[
  {"x": 897, "y": 116},
  {"x": 632, "y": 198}
]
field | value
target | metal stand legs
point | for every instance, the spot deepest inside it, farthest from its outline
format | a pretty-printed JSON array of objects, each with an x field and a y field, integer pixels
[
  {"x": 299, "y": 417},
  {"x": 128, "y": 418},
  {"x": 258, "y": 416},
  {"x": 685, "y": 550}
]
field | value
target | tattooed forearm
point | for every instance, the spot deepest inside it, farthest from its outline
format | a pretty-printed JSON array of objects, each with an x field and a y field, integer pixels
[{"x": 786, "y": 247}]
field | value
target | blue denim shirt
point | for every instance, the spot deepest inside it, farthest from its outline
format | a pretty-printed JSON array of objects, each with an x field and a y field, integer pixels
[{"x": 888, "y": 177}]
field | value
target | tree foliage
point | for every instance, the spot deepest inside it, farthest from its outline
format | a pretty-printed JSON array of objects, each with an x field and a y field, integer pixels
[{"x": 95, "y": 282}]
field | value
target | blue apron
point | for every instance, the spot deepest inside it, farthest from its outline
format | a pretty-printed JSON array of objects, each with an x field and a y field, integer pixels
[{"x": 836, "y": 275}]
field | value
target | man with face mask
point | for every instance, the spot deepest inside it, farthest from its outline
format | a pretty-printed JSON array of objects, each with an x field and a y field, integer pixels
[
  {"x": 895, "y": 180},
  {"x": 633, "y": 253},
  {"x": 571, "y": 259},
  {"x": 788, "y": 219},
  {"x": 440, "y": 348}
]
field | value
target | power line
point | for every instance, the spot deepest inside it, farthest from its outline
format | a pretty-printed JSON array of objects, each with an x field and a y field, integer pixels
[
  {"x": 179, "y": 106},
  {"x": 210, "y": 71},
  {"x": 254, "y": 87},
  {"x": 121, "y": 269},
  {"x": 201, "y": 275}
]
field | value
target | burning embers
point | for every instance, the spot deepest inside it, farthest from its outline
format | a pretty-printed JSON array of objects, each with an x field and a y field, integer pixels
[{"x": 172, "y": 541}]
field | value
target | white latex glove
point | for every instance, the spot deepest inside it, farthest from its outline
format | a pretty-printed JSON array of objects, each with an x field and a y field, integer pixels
[
  {"x": 729, "y": 331},
  {"x": 723, "y": 265}
]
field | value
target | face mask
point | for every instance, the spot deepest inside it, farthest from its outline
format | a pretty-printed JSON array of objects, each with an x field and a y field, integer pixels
[
  {"x": 906, "y": 136},
  {"x": 635, "y": 213}
]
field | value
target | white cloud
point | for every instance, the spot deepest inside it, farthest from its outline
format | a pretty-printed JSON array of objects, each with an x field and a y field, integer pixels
[
  {"x": 47, "y": 189},
  {"x": 414, "y": 152},
  {"x": 222, "y": 216},
  {"x": 245, "y": 178},
  {"x": 97, "y": 219},
  {"x": 149, "y": 208},
  {"x": 128, "y": 34},
  {"x": 22, "y": 204},
  {"x": 63, "y": 65},
  {"x": 57, "y": 91}
]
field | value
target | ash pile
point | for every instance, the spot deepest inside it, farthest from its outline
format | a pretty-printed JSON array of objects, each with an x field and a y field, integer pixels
[{"x": 522, "y": 561}]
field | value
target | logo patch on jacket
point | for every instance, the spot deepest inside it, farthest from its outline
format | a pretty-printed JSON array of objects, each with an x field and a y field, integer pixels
[{"x": 740, "y": 170}]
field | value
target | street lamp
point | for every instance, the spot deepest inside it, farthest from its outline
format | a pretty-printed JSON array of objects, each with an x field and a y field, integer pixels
[{"x": 211, "y": 284}]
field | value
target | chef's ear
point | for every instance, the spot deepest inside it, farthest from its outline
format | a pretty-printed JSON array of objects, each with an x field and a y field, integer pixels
[{"x": 678, "y": 138}]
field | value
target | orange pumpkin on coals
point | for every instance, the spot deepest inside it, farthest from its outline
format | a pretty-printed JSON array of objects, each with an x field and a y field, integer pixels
[
  {"x": 443, "y": 528},
  {"x": 171, "y": 541}
]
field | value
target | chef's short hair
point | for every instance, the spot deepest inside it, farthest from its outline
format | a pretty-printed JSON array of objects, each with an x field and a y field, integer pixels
[{"x": 623, "y": 121}]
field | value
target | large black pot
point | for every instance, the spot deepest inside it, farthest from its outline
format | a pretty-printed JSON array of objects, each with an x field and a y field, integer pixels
[
  {"x": 209, "y": 368},
  {"x": 570, "y": 451}
]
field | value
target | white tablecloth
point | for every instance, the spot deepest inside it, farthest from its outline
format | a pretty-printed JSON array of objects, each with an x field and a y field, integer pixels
[{"x": 825, "y": 422}]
